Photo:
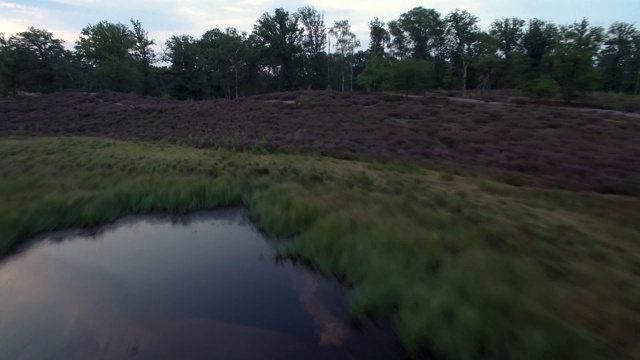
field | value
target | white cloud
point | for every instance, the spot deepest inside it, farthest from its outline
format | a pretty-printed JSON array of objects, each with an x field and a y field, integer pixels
[
  {"x": 18, "y": 7},
  {"x": 235, "y": 10}
]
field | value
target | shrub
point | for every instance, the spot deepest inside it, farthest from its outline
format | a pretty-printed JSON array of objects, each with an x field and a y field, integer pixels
[{"x": 542, "y": 87}]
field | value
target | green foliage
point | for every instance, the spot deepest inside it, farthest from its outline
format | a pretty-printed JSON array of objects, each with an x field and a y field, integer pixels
[
  {"x": 572, "y": 62},
  {"x": 379, "y": 37},
  {"x": 538, "y": 40},
  {"x": 573, "y": 70},
  {"x": 542, "y": 87},
  {"x": 145, "y": 56},
  {"x": 107, "y": 48},
  {"x": 103, "y": 41},
  {"x": 462, "y": 34},
  {"x": 513, "y": 70},
  {"x": 313, "y": 44},
  {"x": 418, "y": 33},
  {"x": 409, "y": 76},
  {"x": 288, "y": 51},
  {"x": 4, "y": 84},
  {"x": 508, "y": 32},
  {"x": 374, "y": 73},
  {"x": 188, "y": 80},
  {"x": 620, "y": 58},
  {"x": 34, "y": 61},
  {"x": 117, "y": 75},
  {"x": 346, "y": 43},
  {"x": 281, "y": 37}
]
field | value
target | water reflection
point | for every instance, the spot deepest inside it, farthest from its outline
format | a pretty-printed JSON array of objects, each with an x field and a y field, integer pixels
[{"x": 198, "y": 287}]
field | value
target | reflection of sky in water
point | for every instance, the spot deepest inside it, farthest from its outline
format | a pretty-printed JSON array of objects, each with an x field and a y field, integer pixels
[{"x": 207, "y": 286}]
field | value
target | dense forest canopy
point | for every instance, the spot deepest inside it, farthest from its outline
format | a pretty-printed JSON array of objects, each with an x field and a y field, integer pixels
[{"x": 422, "y": 49}]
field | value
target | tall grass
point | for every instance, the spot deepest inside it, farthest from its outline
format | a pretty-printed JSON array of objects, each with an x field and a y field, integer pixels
[{"x": 465, "y": 266}]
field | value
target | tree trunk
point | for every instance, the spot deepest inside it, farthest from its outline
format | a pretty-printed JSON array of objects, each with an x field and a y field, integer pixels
[
  {"x": 638, "y": 82},
  {"x": 236, "y": 71},
  {"x": 351, "y": 71},
  {"x": 342, "y": 74},
  {"x": 351, "y": 77},
  {"x": 329, "y": 64},
  {"x": 465, "y": 66}
]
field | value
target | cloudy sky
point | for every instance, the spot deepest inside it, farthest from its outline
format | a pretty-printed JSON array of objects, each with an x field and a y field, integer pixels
[{"x": 65, "y": 18}]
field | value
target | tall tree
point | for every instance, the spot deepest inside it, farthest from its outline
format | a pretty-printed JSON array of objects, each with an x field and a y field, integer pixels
[
  {"x": 187, "y": 68},
  {"x": 36, "y": 61},
  {"x": 315, "y": 34},
  {"x": 106, "y": 48},
  {"x": 538, "y": 40},
  {"x": 573, "y": 58},
  {"x": 379, "y": 37},
  {"x": 374, "y": 72},
  {"x": 400, "y": 45},
  {"x": 462, "y": 34},
  {"x": 144, "y": 54},
  {"x": 313, "y": 43},
  {"x": 486, "y": 61},
  {"x": 409, "y": 76},
  {"x": 620, "y": 58},
  {"x": 281, "y": 37},
  {"x": 420, "y": 30},
  {"x": 636, "y": 60},
  {"x": 225, "y": 61},
  {"x": 346, "y": 43},
  {"x": 4, "y": 65},
  {"x": 508, "y": 32}
]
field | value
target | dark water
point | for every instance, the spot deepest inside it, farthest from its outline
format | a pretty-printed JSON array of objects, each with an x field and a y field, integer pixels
[{"x": 206, "y": 286}]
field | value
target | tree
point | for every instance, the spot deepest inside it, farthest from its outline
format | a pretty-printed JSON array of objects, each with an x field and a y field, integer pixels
[
  {"x": 35, "y": 61},
  {"x": 636, "y": 60},
  {"x": 315, "y": 35},
  {"x": 462, "y": 33},
  {"x": 106, "y": 48},
  {"x": 620, "y": 59},
  {"x": 410, "y": 76},
  {"x": 143, "y": 53},
  {"x": 538, "y": 40},
  {"x": 187, "y": 69},
  {"x": 346, "y": 43},
  {"x": 103, "y": 41},
  {"x": 4, "y": 57},
  {"x": 379, "y": 37},
  {"x": 281, "y": 37},
  {"x": 508, "y": 32},
  {"x": 422, "y": 31},
  {"x": 225, "y": 57},
  {"x": 542, "y": 87},
  {"x": 374, "y": 73},
  {"x": 486, "y": 62},
  {"x": 399, "y": 45},
  {"x": 313, "y": 44},
  {"x": 513, "y": 70},
  {"x": 572, "y": 61}
]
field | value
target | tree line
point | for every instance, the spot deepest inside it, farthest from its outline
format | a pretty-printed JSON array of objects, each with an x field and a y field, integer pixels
[{"x": 420, "y": 50}]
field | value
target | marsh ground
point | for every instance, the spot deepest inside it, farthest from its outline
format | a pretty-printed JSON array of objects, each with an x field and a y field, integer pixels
[{"x": 482, "y": 231}]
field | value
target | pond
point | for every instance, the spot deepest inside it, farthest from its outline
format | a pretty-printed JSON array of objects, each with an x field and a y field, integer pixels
[{"x": 203, "y": 286}]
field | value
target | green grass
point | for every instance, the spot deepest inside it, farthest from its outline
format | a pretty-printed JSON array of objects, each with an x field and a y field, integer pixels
[{"x": 466, "y": 266}]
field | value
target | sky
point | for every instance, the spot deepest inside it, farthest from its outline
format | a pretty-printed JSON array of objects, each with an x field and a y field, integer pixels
[{"x": 163, "y": 18}]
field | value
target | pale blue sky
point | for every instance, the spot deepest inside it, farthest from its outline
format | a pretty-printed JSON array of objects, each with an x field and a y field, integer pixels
[{"x": 65, "y": 18}]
